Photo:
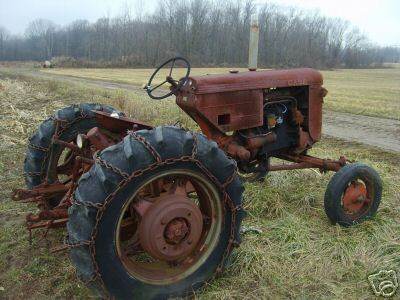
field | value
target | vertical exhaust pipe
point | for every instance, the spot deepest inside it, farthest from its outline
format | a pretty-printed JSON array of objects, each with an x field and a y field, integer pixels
[{"x": 253, "y": 43}]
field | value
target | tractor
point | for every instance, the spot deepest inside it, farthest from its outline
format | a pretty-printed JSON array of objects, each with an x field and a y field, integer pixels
[{"x": 154, "y": 212}]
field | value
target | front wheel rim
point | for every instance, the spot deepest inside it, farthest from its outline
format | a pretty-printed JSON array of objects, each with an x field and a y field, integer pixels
[{"x": 358, "y": 198}]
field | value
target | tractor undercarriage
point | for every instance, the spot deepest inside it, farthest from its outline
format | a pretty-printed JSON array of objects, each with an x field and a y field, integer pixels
[{"x": 81, "y": 159}]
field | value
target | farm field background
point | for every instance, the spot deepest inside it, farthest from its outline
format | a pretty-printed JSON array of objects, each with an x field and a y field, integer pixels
[
  {"x": 297, "y": 254},
  {"x": 373, "y": 92}
]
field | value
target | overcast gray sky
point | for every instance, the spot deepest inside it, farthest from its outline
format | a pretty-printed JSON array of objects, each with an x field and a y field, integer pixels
[{"x": 379, "y": 19}]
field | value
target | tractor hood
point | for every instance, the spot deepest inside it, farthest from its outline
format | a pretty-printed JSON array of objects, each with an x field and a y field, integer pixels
[{"x": 241, "y": 81}]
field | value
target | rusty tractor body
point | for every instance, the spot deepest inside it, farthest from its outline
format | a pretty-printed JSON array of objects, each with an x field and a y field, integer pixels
[{"x": 157, "y": 210}]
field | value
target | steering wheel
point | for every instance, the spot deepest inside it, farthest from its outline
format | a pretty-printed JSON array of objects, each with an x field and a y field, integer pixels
[{"x": 175, "y": 84}]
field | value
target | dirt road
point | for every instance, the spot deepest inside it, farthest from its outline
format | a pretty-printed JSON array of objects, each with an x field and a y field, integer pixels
[{"x": 371, "y": 131}]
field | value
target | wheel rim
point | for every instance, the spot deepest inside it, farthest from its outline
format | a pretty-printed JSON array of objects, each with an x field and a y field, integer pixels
[
  {"x": 63, "y": 160},
  {"x": 63, "y": 164},
  {"x": 169, "y": 227},
  {"x": 357, "y": 198}
]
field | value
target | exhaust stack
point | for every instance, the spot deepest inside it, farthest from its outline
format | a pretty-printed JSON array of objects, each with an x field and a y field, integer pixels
[{"x": 253, "y": 43}]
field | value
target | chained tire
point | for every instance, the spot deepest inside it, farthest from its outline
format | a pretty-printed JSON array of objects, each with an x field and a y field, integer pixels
[
  {"x": 75, "y": 119},
  {"x": 156, "y": 217},
  {"x": 353, "y": 194}
]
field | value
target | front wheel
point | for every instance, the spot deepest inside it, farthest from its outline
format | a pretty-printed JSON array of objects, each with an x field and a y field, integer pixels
[
  {"x": 156, "y": 216},
  {"x": 353, "y": 194}
]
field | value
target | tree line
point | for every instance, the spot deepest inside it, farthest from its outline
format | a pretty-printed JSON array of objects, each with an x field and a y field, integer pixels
[{"x": 207, "y": 32}]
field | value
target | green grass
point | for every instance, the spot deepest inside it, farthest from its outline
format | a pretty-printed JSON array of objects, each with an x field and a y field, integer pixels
[
  {"x": 298, "y": 254},
  {"x": 374, "y": 92}
]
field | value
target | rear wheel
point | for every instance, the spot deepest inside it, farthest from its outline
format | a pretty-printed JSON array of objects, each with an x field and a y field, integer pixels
[
  {"x": 45, "y": 159},
  {"x": 353, "y": 194},
  {"x": 161, "y": 221}
]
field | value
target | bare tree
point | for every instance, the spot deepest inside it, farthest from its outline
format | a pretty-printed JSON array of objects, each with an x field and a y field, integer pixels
[
  {"x": 4, "y": 36},
  {"x": 41, "y": 32},
  {"x": 206, "y": 32}
]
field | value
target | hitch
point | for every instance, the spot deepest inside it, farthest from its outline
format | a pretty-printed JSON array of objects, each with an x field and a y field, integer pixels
[{"x": 39, "y": 192}]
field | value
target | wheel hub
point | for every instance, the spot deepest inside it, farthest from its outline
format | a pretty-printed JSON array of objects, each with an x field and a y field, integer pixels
[
  {"x": 170, "y": 227},
  {"x": 355, "y": 197},
  {"x": 176, "y": 231}
]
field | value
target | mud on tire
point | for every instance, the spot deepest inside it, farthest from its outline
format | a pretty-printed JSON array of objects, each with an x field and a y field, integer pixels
[{"x": 106, "y": 188}]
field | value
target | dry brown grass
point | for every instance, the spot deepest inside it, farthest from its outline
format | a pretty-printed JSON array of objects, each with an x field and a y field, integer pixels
[
  {"x": 132, "y": 76},
  {"x": 372, "y": 92}
]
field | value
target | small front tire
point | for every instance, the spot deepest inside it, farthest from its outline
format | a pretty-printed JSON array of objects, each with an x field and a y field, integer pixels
[{"x": 353, "y": 194}]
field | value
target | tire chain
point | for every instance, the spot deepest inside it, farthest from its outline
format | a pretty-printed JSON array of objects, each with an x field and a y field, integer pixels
[
  {"x": 65, "y": 125},
  {"x": 96, "y": 277},
  {"x": 147, "y": 145},
  {"x": 36, "y": 147}
]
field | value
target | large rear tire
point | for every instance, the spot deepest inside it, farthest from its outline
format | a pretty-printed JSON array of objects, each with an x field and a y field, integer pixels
[
  {"x": 199, "y": 194},
  {"x": 76, "y": 119}
]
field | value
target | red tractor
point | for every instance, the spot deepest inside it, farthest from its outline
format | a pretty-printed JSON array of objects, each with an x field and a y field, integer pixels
[{"x": 154, "y": 212}]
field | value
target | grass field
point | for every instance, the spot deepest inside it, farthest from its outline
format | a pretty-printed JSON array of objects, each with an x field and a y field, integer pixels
[
  {"x": 298, "y": 254},
  {"x": 374, "y": 92}
]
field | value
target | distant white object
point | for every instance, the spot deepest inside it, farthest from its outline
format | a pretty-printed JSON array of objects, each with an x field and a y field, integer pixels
[{"x": 47, "y": 64}]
